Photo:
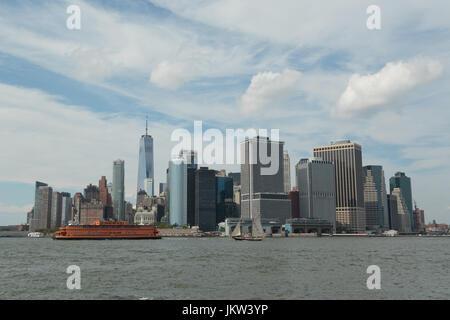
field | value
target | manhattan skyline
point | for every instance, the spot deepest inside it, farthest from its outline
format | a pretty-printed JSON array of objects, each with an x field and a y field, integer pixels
[{"x": 73, "y": 101}]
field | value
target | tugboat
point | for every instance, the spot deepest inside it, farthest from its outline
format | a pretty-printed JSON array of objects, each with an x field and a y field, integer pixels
[{"x": 111, "y": 230}]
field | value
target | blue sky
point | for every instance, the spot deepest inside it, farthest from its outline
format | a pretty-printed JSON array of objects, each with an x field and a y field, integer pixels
[{"x": 72, "y": 101}]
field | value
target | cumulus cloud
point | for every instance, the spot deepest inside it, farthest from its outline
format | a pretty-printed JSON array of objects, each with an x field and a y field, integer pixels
[
  {"x": 371, "y": 92},
  {"x": 171, "y": 75},
  {"x": 269, "y": 88}
]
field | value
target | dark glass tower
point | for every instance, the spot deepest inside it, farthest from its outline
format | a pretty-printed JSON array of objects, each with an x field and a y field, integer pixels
[
  {"x": 145, "y": 165},
  {"x": 402, "y": 181}
]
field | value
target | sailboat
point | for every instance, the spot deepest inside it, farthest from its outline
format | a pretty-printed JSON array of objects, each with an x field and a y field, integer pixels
[{"x": 257, "y": 233}]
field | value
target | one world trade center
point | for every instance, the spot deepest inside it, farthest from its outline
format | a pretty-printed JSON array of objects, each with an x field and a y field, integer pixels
[{"x": 145, "y": 166}]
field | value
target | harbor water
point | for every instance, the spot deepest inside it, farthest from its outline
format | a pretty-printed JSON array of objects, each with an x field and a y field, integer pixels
[{"x": 221, "y": 268}]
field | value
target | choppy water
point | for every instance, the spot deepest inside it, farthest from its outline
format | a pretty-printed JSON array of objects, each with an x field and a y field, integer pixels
[{"x": 221, "y": 268}]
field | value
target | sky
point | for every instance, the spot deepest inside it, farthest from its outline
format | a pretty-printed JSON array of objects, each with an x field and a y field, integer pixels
[{"x": 74, "y": 100}]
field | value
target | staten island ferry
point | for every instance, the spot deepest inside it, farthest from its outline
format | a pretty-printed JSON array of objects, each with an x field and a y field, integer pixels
[{"x": 102, "y": 230}]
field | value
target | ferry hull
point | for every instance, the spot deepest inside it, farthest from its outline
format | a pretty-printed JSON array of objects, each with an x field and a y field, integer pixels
[{"x": 107, "y": 230}]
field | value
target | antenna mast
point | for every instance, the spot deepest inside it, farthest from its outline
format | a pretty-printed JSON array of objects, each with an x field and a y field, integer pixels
[{"x": 146, "y": 125}]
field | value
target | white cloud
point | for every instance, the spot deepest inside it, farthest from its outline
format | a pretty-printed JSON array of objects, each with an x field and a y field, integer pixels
[
  {"x": 371, "y": 92},
  {"x": 171, "y": 75},
  {"x": 269, "y": 88}
]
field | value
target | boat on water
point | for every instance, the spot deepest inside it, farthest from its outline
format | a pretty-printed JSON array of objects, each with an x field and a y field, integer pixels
[
  {"x": 256, "y": 233},
  {"x": 35, "y": 235},
  {"x": 107, "y": 230}
]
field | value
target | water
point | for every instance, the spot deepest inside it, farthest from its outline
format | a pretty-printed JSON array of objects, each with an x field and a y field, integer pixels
[{"x": 221, "y": 268}]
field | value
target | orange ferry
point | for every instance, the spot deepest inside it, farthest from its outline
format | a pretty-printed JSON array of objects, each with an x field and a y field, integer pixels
[{"x": 101, "y": 230}]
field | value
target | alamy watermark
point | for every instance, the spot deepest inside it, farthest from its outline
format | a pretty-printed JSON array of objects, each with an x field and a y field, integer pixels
[
  {"x": 225, "y": 149},
  {"x": 374, "y": 20},
  {"x": 374, "y": 280},
  {"x": 74, "y": 280},
  {"x": 73, "y": 22}
]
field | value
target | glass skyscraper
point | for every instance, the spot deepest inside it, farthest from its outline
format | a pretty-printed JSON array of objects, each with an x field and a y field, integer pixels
[
  {"x": 375, "y": 199},
  {"x": 146, "y": 165},
  {"x": 402, "y": 181},
  {"x": 177, "y": 192},
  {"x": 118, "y": 189}
]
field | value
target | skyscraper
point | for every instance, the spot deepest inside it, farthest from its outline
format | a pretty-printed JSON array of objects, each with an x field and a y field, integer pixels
[
  {"x": 287, "y": 172},
  {"x": 375, "y": 199},
  {"x": 36, "y": 218},
  {"x": 66, "y": 208},
  {"x": 177, "y": 191},
  {"x": 403, "y": 217},
  {"x": 118, "y": 189},
  {"x": 265, "y": 189},
  {"x": 347, "y": 159},
  {"x": 45, "y": 203},
  {"x": 205, "y": 199},
  {"x": 400, "y": 180},
  {"x": 315, "y": 185},
  {"x": 145, "y": 164},
  {"x": 190, "y": 159},
  {"x": 55, "y": 220}
]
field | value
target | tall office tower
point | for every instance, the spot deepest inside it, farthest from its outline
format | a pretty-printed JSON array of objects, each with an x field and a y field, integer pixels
[
  {"x": 375, "y": 199},
  {"x": 191, "y": 161},
  {"x": 91, "y": 192},
  {"x": 403, "y": 217},
  {"x": 236, "y": 176},
  {"x": 190, "y": 158},
  {"x": 66, "y": 208},
  {"x": 419, "y": 218},
  {"x": 55, "y": 220},
  {"x": 225, "y": 207},
  {"x": 145, "y": 164},
  {"x": 162, "y": 187},
  {"x": 265, "y": 185},
  {"x": 177, "y": 192},
  {"x": 205, "y": 199},
  {"x": 118, "y": 189},
  {"x": 349, "y": 191},
  {"x": 36, "y": 218},
  {"x": 400, "y": 180},
  {"x": 295, "y": 204},
  {"x": 104, "y": 194},
  {"x": 287, "y": 172},
  {"x": 45, "y": 201},
  {"x": 190, "y": 193},
  {"x": 392, "y": 211},
  {"x": 105, "y": 198},
  {"x": 76, "y": 207},
  {"x": 315, "y": 185}
]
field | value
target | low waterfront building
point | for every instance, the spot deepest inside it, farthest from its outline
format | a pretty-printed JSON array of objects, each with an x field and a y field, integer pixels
[
  {"x": 309, "y": 225},
  {"x": 270, "y": 226}
]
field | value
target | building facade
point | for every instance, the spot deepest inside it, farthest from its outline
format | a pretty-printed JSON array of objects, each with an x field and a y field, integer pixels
[
  {"x": 316, "y": 189},
  {"x": 118, "y": 189},
  {"x": 262, "y": 181},
  {"x": 403, "y": 217},
  {"x": 145, "y": 164},
  {"x": 287, "y": 172},
  {"x": 400, "y": 180},
  {"x": 205, "y": 199},
  {"x": 35, "y": 221},
  {"x": 375, "y": 198},
  {"x": 177, "y": 178},
  {"x": 347, "y": 159}
]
